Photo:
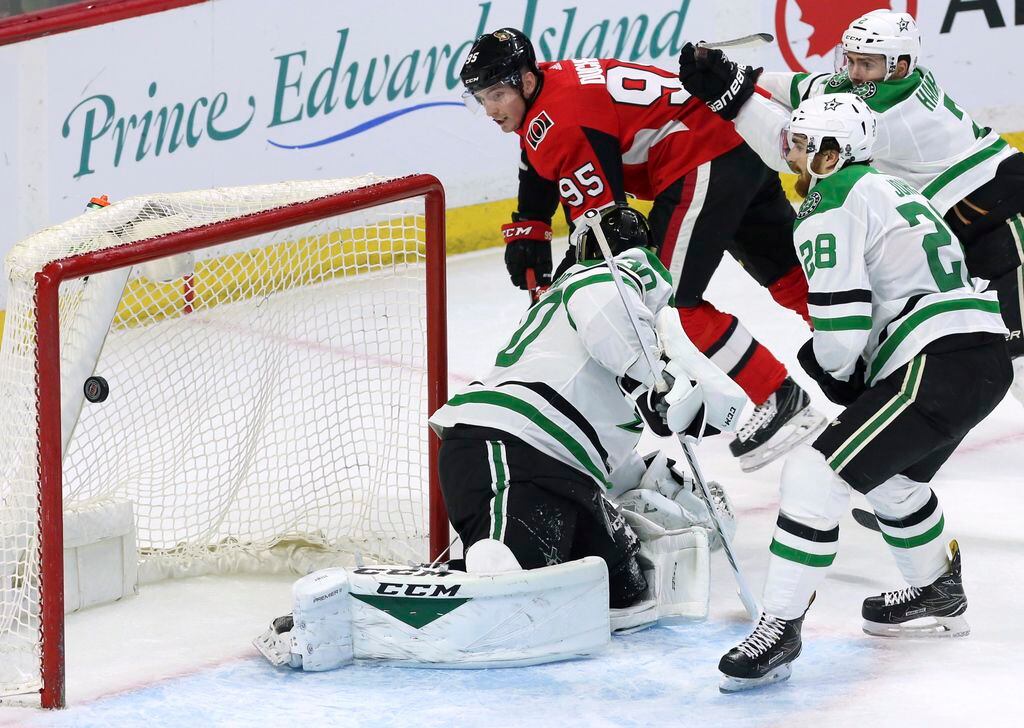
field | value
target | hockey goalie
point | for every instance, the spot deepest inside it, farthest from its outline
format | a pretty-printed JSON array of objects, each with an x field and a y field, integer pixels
[{"x": 569, "y": 534}]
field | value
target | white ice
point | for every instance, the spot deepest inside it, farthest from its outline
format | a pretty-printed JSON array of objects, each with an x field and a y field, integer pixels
[{"x": 180, "y": 654}]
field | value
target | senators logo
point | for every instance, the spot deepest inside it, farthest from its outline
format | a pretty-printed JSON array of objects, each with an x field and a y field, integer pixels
[
  {"x": 809, "y": 30},
  {"x": 538, "y": 129}
]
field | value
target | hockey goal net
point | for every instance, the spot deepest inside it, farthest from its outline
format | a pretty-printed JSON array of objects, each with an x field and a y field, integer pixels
[{"x": 270, "y": 355}]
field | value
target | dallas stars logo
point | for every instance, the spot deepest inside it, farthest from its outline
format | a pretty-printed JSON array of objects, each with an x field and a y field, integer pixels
[
  {"x": 809, "y": 205},
  {"x": 832, "y": 105},
  {"x": 865, "y": 90},
  {"x": 904, "y": 25}
]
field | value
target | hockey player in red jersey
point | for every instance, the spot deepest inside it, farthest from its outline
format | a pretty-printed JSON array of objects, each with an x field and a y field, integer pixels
[{"x": 593, "y": 131}]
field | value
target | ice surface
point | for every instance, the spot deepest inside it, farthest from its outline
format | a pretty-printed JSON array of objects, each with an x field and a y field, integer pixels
[{"x": 179, "y": 653}]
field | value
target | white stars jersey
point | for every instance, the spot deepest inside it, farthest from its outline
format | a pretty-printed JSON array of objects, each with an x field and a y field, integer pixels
[
  {"x": 885, "y": 274},
  {"x": 554, "y": 385},
  {"x": 923, "y": 136}
]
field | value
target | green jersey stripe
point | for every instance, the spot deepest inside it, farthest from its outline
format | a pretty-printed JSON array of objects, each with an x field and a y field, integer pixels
[
  {"x": 801, "y": 557},
  {"x": 962, "y": 166},
  {"x": 499, "y": 486},
  {"x": 908, "y": 543},
  {"x": 908, "y": 324},
  {"x": 867, "y": 432},
  {"x": 527, "y": 410},
  {"x": 1017, "y": 231},
  {"x": 842, "y": 323}
]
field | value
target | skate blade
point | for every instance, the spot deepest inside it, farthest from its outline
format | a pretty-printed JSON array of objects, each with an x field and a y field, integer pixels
[
  {"x": 731, "y": 684},
  {"x": 802, "y": 427},
  {"x": 926, "y": 627},
  {"x": 271, "y": 646}
]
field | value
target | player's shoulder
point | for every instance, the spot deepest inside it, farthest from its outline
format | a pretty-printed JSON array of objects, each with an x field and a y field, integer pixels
[
  {"x": 880, "y": 96},
  {"x": 850, "y": 185}
]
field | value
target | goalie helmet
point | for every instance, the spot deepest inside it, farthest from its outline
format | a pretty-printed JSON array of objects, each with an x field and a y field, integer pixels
[
  {"x": 623, "y": 227},
  {"x": 887, "y": 33},
  {"x": 498, "y": 58},
  {"x": 843, "y": 117}
]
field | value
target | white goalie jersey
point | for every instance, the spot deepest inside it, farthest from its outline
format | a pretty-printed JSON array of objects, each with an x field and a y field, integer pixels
[
  {"x": 924, "y": 137},
  {"x": 885, "y": 274},
  {"x": 554, "y": 384}
]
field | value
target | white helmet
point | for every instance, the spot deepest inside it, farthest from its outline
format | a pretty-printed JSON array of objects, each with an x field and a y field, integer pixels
[
  {"x": 887, "y": 33},
  {"x": 843, "y": 117}
]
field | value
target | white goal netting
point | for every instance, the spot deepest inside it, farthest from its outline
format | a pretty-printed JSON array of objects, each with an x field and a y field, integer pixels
[{"x": 266, "y": 398}]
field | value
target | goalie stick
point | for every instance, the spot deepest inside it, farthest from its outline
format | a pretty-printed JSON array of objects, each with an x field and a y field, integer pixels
[{"x": 592, "y": 219}]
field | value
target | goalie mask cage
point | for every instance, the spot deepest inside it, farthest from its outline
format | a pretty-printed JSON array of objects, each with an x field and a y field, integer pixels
[{"x": 272, "y": 353}]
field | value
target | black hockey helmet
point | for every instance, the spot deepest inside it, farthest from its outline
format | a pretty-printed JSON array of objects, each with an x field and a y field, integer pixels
[
  {"x": 624, "y": 228},
  {"x": 498, "y": 57}
]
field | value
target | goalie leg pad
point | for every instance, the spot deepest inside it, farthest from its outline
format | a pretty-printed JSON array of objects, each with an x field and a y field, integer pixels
[
  {"x": 676, "y": 563},
  {"x": 680, "y": 573},
  {"x": 454, "y": 619},
  {"x": 421, "y": 616},
  {"x": 318, "y": 634}
]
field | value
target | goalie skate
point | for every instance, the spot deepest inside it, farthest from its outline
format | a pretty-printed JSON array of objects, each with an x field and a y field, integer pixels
[
  {"x": 776, "y": 426},
  {"x": 935, "y": 610}
]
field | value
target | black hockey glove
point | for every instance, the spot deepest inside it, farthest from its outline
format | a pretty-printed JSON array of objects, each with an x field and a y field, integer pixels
[
  {"x": 842, "y": 393},
  {"x": 720, "y": 83},
  {"x": 528, "y": 246}
]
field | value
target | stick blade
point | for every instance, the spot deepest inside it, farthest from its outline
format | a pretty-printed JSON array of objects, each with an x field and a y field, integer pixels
[{"x": 747, "y": 41}]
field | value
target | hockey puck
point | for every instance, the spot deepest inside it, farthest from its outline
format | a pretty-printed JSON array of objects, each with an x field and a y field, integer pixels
[
  {"x": 96, "y": 389},
  {"x": 866, "y": 519}
]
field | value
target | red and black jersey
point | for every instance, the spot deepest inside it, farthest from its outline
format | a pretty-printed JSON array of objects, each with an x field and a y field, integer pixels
[{"x": 600, "y": 128}]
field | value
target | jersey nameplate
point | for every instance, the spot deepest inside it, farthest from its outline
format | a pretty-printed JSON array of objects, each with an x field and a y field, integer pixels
[
  {"x": 538, "y": 129},
  {"x": 589, "y": 71}
]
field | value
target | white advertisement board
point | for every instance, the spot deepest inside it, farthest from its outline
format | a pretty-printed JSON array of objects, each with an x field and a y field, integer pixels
[{"x": 234, "y": 92}]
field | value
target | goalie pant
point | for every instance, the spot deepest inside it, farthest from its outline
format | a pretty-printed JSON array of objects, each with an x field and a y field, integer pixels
[{"x": 496, "y": 486}]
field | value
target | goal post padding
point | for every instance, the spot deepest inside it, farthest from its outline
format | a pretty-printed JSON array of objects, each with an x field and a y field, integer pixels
[{"x": 272, "y": 353}]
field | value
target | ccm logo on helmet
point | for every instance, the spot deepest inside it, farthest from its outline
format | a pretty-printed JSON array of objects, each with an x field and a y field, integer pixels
[{"x": 538, "y": 129}]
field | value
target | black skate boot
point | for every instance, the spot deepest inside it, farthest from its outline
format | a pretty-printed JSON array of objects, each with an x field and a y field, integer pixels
[
  {"x": 763, "y": 657},
  {"x": 776, "y": 426},
  {"x": 940, "y": 606}
]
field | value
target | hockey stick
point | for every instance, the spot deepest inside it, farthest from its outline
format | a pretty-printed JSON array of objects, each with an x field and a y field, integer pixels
[
  {"x": 532, "y": 288},
  {"x": 592, "y": 219},
  {"x": 747, "y": 41},
  {"x": 866, "y": 519}
]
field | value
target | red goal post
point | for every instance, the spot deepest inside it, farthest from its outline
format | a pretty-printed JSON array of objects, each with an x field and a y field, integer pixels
[{"x": 48, "y": 352}]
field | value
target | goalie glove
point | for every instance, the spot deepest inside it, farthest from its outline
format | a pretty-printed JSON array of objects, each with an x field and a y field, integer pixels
[
  {"x": 684, "y": 411},
  {"x": 838, "y": 391},
  {"x": 720, "y": 83},
  {"x": 528, "y": 248}
]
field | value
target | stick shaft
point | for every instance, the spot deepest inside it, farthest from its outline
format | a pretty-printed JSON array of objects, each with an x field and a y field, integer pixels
[{"x": 592, "y": 218}]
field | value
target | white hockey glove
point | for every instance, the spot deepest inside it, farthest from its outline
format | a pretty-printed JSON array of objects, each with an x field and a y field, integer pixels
[{"x": 723, "y": 399}]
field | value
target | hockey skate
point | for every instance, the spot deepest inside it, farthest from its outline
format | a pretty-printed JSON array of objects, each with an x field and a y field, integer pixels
[
  {"x": 939, "y": 607},
  {"x": 764, "y": 657},
  {"x": 776, "y": 426}
]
